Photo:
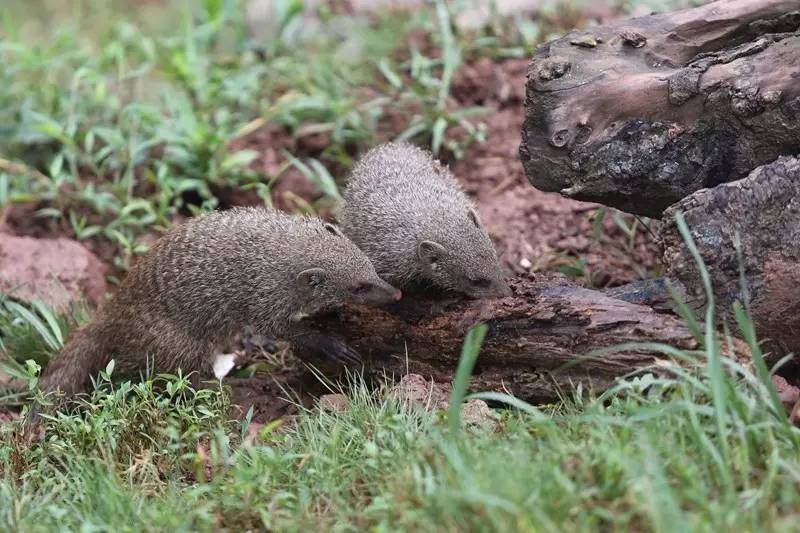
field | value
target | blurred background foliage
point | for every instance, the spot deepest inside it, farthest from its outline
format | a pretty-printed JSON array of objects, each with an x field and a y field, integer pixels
[{"x": 116, "y": 117}]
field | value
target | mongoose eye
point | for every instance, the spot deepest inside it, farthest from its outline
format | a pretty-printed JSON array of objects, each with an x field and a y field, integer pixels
[{"x": 482, "y": 283}]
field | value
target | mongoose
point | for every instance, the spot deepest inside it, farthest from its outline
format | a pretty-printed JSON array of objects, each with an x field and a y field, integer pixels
[
  {"x": 205, "y": 280},
  {"x": 415, "y": 223}
]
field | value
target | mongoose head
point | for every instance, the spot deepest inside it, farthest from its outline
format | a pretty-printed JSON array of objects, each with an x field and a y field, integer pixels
[
  {"x": 340, "y": 272},
  {"x": 460, "y": 256}
]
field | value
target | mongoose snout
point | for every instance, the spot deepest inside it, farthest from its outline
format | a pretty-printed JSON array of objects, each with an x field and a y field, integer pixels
[
  {"x": 377, "y": 294},
  {"x": 407, "y": 212}
]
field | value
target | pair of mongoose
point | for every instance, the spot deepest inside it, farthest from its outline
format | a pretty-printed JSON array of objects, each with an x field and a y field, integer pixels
[{"x": 205, "y": 280}]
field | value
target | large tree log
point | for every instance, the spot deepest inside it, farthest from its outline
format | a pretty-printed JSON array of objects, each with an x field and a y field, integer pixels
[
  {"x": 537, "y": 342},
  {"x": 640, "y": 113},
  {"x": 762, "y": 214}
]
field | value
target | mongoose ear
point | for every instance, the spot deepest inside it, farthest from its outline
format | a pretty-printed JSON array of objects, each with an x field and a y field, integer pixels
[
  {"x": 311, "y": 277},
  {"x": 473, "y": 216},
  {"x": 333, "y": 229},
  {"x": 430, "y": 252}
]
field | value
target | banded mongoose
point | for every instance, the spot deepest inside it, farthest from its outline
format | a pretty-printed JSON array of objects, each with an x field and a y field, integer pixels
[
  {"x": 205, "y": 280},
  {"x": 406, "y": 211}
]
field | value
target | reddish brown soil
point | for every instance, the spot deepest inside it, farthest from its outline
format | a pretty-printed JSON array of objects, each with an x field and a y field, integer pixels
[
  {"x": 21, "y": 220},
  {"x": 273, "y": 395}
]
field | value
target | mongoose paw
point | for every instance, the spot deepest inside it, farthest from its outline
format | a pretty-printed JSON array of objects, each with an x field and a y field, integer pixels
[
  {"x": 342, "y": 352},
  {"x": 328, "y": 348},
  {"x": 339, "y": 352}
]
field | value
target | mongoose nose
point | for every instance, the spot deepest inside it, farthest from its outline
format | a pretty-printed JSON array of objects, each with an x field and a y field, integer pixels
[{"x": 398, "y": 295}]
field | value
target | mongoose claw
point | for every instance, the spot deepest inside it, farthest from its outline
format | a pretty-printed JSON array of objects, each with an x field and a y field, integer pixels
[
  {"x": 339, "y": 352},
  {"x": 345, "y": 354},
  {"x": 318, "y": 345}
]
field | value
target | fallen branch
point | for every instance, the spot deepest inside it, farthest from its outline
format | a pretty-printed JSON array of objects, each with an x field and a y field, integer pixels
[{"x": 539, "y": 341}]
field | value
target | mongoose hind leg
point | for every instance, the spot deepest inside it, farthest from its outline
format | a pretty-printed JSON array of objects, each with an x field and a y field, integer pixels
[{"x": 164, "y": 348}]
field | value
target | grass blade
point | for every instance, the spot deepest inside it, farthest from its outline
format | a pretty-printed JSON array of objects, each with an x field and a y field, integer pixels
[
  {"x": 748, "y": 330},
  {"x": 52, "y": 321},
  {"x": 469, "y": 354},
  {"x": 715, "y": 373},
  {"x": 36, "y": 323}
]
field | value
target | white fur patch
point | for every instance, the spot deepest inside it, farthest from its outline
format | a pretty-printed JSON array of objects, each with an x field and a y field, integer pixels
[
  {"x": 298, "y": 316},
  {"x": 223, "y": 364}
]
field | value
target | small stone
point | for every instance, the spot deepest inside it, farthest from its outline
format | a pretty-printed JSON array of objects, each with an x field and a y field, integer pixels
[
  {"x": 525, "y": 263},
  {"x": 254, "y": 431},
  {"x": 9, "y": 382},
  {"x": 8, "y": 416},
  {"x": 788, "y": 393},
  {"x": 415, "y": 389},
  {"x": 478, "y": 413},
  {"x": 584, "y": 41},
  {"x": 334, "y": 402}
]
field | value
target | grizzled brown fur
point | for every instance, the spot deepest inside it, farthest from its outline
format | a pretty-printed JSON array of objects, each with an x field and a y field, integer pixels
[
  {"x": 413, "y": 220},
  {"x": 205, "y": 280}
]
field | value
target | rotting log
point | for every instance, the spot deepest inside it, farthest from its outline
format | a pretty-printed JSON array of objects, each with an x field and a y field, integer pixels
[
  {"x": 759, "y": 215},
  {"x": 640, "y": 113},
  {"x": 536, "y": 347}
]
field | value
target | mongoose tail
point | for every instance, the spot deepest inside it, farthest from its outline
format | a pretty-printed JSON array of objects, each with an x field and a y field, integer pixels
[
  {"x": 67, "y": 374},
  {"x": 70, "y": 370}
]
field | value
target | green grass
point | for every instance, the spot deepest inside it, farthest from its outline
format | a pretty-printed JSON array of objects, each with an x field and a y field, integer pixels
[
  {"x": 116, "y": 118},
  {"x": 654, "y": 454},
  {"x": 112, "y": 121}
]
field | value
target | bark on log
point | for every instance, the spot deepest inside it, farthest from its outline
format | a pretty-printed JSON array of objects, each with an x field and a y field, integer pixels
[
  {"x": 641, "y": 113},
  {"x": 653, "y": 292},
  {"x": 762, "y": 213},
  {"x": 536, "y": 345}
]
